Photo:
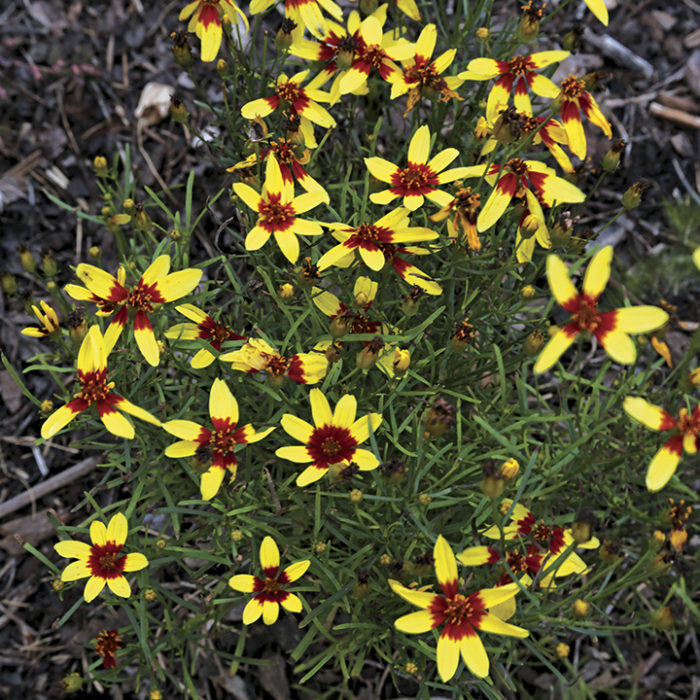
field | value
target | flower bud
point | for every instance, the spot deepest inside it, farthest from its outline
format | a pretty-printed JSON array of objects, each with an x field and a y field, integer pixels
[
  {"x": 57, "y": 585},
  {"x": 402, "y": 361},
  {"x": 355, "y": 496},
  {"x": 26, "y": 259},
  {"x": 533, "y": 343},
  {"x": 368, "y": 356},
  {"x": 307, "y": 273},
  {"x": 287, "y": 290},
  {"x": 482, "y": 130},
  {"x": 181, "y": 49},
  {"x": 483, "y": 33},
  {"x": 571, "y": 41},
  {"x": 284, "y": 37},
  {"x": 142, "y": 221},
  {"x": 385, "y": 560},
  {"x": 129, "y": 206},
  {"x": 100, "y": 166},
  {"x": 612, "y": 158},
  {"x": 693, "y": 377},
  {"x": 530, "y": 21},
  {"x": 320, "y": 547},
  {"x": 360, "y": 588},
  {"x": 658, "y": 537},
  {"x": 462, "y": 336},
  {"x": 9, "y": 284},
  {"x": 439, "y": 418},
  {"x": 633, "y": 196},
  {"x": 528, "y": 292},
  {"x": 178, "y": 111},
  {"x": 580, "y": 608},
  {"x": 222, "y": 68},
  {"x": 411, "y": 301},
  {"x": 95, "y": 253},
  {"x": 72, "y": 683},
  {"x": 48, "y": 264},
  {"x": 509, "y": 469},
  {"x": 410, "y": 668},
  {"x": 46, "y": 407},
  {"x": 492, "y": 483},
  {"x": 237, "y": 536},
  {"x": 663, "y": 618},
  {"x": 609, "y": 551},
  {"x": 424, "y": 499},
  {"x": 562, "y": 650},
  {"x": 367, "y": 7},
  {"x": 150, "y": 595},
  {"x": 161, "y": 544},
  {"x": 155, "y": 695},
  {"x": 394, "y": 470}
]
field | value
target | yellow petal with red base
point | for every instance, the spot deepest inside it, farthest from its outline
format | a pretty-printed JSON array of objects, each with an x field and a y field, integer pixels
[
  {"x": 245, "y": 583},
  {"x": 247, "y": 194},
  {"x": 416, "y": 622},
  {"x": 75, "y": 571},
  {"x": 426, "y": 41},
  {"x": 156, "y": 271},
  {"x": 345, "y": 410},
  {"x": 664, "y": 464},
  {"x": 292, "y": 603},
  {"x": 560, "y": 190},
  {"x": 59, "y": 419},
  {"x": 640, "y": 319},
  {"x": 440, "y": 161},
  {"x": 256, "y": 238},
  {"x": 117, "y": 529},
  {"x": 495, "y": 205},
  {"x": 252, "y": 611},
  {"x": 380, "y": 168},
  {"x": 485, "y": 68},
  {"x": 598, "y": 273},
  {"x": 209, "y": 32},
  {"x": 498, "y": 99},
  {"x": 296, "y": 427},
  {"x": 360, "y": 428},
  {"x": 119, "y": 586},
  {"x": 183, "y": 331},
  {"x": 179, "y": 284},
  {"x": 498, "y": 594},
  {"x": 409, "y": 8},
  {"x": 309, "y": 475},
  {"x": 318, "y": 115},
  {"x": 135, "y": 562},
  {"x": 142, "y": 414},
  {"x": 269, "y": 554},
  {"x": 183, "y": 429},
  {"x": 202, "y": 358},
  {"x": 419, "y": 147},
  {"x": 553, "y": 350},
  {"x": 146, "y": 339},
  {"x": 101, "y": 283},
  {"x": 91, "y": 356},
  {"x": 571, "y": 119},
  {"x": 445, "y": 565},
  {"x": 422, "y": 599},
  {"x": 73, "y": 549},
  {"x": 222, "y": 404},
  {"x": 289, "y": 244},
  {"x": 599, "y": 9},
  {"x": 297, "y": 570},
  {"x": 98, "y": 532},
  {"x": 93, "y": 588},
  {"x": 115, "y": 422},
  {"x": 271, "y": 611},
  {"x": 495, "y": 625},
  {"x": 619, "y": 346},
  {"x": 115, "y": 328},
  {"x": 183, "y": 448},
  {"x": 320, "y": 408},
  {"x": 474, "y": 655},
  {"x": 211, "y": 482},
  {"x": 475, "y": 556},
  {"x": 545, "y": 58},
  {"x": 447, "y": 657},
  {"x": 560, "y": 283}
]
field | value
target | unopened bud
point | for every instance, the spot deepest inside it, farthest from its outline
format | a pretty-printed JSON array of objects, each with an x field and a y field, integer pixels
[
  {"x": 367, "y": 7},
  {"x": 181, "y": 49},
  {"x": 439, "y": 418},
  {"x": 562, "y": 650},
  {"x": 57, "y": 585},
  {"x": 533, "y": 343},
  {"x": 360, "y": 588},
  {"x": 155, "y": 695},
  {"x": 320, "y": 547},
  {"x": 27, "y": 260},
  {"x": 129, "y": 206},
  {"x": 571, "y": 41},
  {"x": 411, "y": 301},
  {"x": 483, "y": 33},
  {"x": 72, "y": 683},
  {"x": 424, "y": 499},
  {"x": 9, "y": 284},
  {"x": 633, "y": 196},
  {"x": 222, "y": 68},
  {"x": 48, "y": 264},
  {"x": 46, "y": 407},
  {"x": 150, "y": 595},
  {"x": 161, "y": 544},
  {"x": 509, "y": 469},
  {"x": 368, "y": 356},
  {"x": 580, "y": 608},
  {"x": 237, "y": 536},
  {"x": 612, "y": 158},
  {"x": 100, "y": 166},
  {"x": 402, "y": 361},
  {"x": 178, "y": 111},
  {"x": 95, "y": 253},
  {"x": 410, "y": 668},
  {"x": 287, "y": 290},
  {"x": 658, "y": 537},
  {"x": 528, "y": 292}
]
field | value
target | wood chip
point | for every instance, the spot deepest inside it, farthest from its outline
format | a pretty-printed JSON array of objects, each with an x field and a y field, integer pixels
[
  {"x": 692, "y": 121},
  {"x": 663, "y": 19},
  {"x": 682, "y": 102},
  {"x": 692, "y": 41}
]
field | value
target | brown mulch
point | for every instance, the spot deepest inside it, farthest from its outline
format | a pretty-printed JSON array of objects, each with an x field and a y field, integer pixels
[{"x": 71, "y": 75}]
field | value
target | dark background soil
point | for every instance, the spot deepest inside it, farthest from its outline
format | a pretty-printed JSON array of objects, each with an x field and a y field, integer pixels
[{"x": 71, "y": 75}]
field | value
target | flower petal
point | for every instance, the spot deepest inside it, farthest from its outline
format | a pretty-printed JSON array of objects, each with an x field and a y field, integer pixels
[
  {"x": 419, "y": 147},
  {"x": 664, "y": 463},
  {"x": 135, "y": 562},
  {"x": 598, "y": 273},
  {"x": 619, "y": 346},
  {"x": 423, "y": 599},
  {"x": 117, "y": 529},
  {"x": 653, "y": 417},
  {"x": 222, "y": 404},
  {"x": 447, "y": 657},
  {"x": 292, "y": 603},
  {"x": 75, "y": 571},
  {"x": 640, "y": 319},
  {"x": 493, "y": 624},
  {"x": 93, "y": 588},
  {"x": 445, "y": 566},
  {"x": 560, "y": 283},
  {"x": 296, "y": 427},
  {"x": 98, "y": 532},
  {"x": 245, "y": 583},
  {"x": 296, "y": 570},
  {"x": 252, "y": 611},
  {"x": 211, "y": 482},
  {"x": 416, "y": 622},
  {"x": 474, "y": 655},
  {"x": 320, "y": 408},
  {"x": 554, "y": 349},
  {"x": 345, "y": 410},
  {"x": 72, "y": 549}
]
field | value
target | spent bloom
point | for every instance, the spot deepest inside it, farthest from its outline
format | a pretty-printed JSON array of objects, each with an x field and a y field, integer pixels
[
  {"x": 203, "y": 327},
  {"x": 102, "y": 561},
  {"x": 278, "y": 212},
  {"x": 420, "y": 178},
  {"x": 107, "y": 643},
  {"x": 334, "y": 439},
  {"x": 94, "y": 389},
  {"x": 685, "y": 437},
  {"x": 518, "y": 70},
  {"x": 214, "y": 445},
  {"x": 205, "y": 22},
  {"x": 611, "y": 328},
  {"x": 155, "y": 287},
  {"x": 269, "y": 591},
  {"x": 462, "y": 614}
]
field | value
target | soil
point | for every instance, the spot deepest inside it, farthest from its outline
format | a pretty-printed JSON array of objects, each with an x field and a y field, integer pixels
[{"x": 72, "y": 74}]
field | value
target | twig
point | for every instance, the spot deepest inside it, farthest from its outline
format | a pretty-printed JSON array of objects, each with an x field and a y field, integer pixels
[
  {"x": 55, "y": 482},
  {"x": 681, "y": 176}
]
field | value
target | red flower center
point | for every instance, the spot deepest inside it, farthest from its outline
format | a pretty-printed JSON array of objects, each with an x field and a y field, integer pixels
[
  {"x": 283, "y": 151},
  {"x": 331, "y": 444},
  {"x": 573, "y": 87},
  {"x": 143, "y": 297},
  {"x": 417, "y": 178},
  {"x": 516, "y": 560},
  {"x": 274, "y": 215},
  {"x": 520, "y": 65},
  {"x": 94, "y": 387},
  {"x": 689, "y": 424},
  {"x": 271, "y": 587},
  {"x": 587, "y": 317},
  {"x": 517, "y": 166},
  {"x": 373, "y": 54},
  {"x": 223, "y": 440},
  {"x": 290, "y": 91},
  {"x": 461, "y": 610},
  {"x": 103, "y": 561},
  {"x": 425, "y": 75},
  {"x": 276, "y": 364}
]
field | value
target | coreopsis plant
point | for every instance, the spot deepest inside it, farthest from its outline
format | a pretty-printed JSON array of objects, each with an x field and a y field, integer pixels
[
  {"x": 686, "y": 437},
  {"x": 205, "y": 21},
  {"x": 278, "y": 212},
  {"x": 333, "y": 439},
  {"x": 214, "y": 446},
  {"x": 610, "y": 328},
  {"x": 420, "y": 178},
  {"x": 269, "y": 592},
  {"x": 96, "y": 390},
  {"x": 520, "y": 71},
  {"x": 155, "y": 287},
  {"x": 102, "y": 562},
  {"x": 462, "y": 614}
]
